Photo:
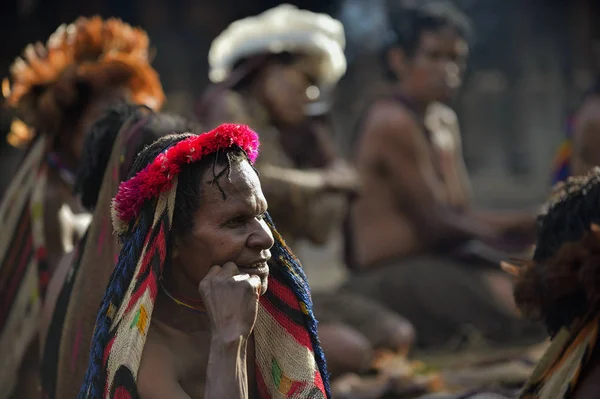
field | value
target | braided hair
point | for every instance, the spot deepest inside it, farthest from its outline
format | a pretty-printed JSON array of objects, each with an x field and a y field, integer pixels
[
  {"x": 562, "y": 282},
  {"x": 99, "y": 142},
  {"x": 187, "y": 201}
]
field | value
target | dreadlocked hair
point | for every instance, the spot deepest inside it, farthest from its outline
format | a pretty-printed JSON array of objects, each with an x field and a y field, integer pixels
[
  {"x": 101, "y": 137},
  {"x": 562, "y": 281},
  {"x": 188, "y": 197}
]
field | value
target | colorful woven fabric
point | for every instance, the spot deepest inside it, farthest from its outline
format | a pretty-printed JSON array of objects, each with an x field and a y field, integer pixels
[
  {"x": 289, "y": 360},
  {"x": 23, "y": 273},
  {"x": 66, "y": 348},
  {"x": 559, "y": 370},
  {"x": 561, "y": 168}
]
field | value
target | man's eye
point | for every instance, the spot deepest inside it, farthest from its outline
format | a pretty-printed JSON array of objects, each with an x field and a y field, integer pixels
[{"x": 239, "y": 221}]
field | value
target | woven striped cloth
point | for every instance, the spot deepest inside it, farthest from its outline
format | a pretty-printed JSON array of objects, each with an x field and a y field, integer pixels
[
  {"x": 23, "y": 271},
  {"x": 559, "y": 371},
  {"x": 66, "y": 351},
  {"x": 289, "y": 360}
]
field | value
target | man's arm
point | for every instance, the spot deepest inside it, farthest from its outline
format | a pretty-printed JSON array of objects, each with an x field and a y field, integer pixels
[
  {"x": 226, "y": 375},
  {"x": 586, "y": 138},
  {"x": 412, "y": 178}
]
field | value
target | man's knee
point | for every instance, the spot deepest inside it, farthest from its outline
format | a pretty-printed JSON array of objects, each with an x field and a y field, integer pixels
[{"x": 346, "y": 349}]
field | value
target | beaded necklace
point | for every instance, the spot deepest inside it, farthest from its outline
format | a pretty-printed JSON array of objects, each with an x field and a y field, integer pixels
[{"x": 183, "y": 301}]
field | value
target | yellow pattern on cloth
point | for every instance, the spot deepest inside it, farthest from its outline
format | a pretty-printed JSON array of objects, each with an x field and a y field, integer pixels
[{"x": 558, "y": 372}]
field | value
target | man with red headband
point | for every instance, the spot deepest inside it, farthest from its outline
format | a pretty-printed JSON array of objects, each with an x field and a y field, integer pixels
[{"x": 234, "y": 322}]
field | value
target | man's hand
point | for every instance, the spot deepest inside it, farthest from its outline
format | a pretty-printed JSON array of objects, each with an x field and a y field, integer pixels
[
  {"x": 231, "y": 301},
  {"x": 341, "y": 177}
]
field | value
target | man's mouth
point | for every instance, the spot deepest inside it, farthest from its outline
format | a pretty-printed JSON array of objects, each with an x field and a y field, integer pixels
[{"x": 260, "y": 269}]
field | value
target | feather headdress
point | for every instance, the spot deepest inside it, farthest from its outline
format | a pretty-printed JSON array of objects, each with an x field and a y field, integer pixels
[{"x": 98, "y": 53}]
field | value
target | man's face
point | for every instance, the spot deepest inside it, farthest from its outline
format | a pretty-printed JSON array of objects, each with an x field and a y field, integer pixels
[
  {"x": 227, "y": 230},
  {"x": 288, "y": 88},
  {"x": 435, "y": 71}
]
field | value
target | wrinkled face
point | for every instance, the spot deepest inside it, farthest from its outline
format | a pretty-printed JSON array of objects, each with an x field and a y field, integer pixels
[
  {"x": 289, "y": 87},
  {"x": 435, "y": 71},
  {"x": 227, "y": 230}
]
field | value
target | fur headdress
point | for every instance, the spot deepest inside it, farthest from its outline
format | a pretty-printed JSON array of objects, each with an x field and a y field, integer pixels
[
  {"x": 562, "y": 281},
  {"x": 91, "y": 52},
  {"x": 281, "y": 29}
]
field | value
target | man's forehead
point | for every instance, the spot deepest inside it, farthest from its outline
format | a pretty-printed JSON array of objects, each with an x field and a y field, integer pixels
[
  {"x": 446, "y": 37},
  {"x": 240, "y": 183}
]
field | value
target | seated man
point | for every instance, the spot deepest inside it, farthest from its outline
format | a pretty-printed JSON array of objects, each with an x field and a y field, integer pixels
[
  {"x": 560, "y": 286},
  {"x": 413, "y": 216},
  {"x": 205, "y": 301}
]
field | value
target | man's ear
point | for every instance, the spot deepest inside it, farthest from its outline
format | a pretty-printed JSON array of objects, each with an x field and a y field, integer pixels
[
  {"x": 175, "y": 248},
  {"x": 396, "y": 59}
]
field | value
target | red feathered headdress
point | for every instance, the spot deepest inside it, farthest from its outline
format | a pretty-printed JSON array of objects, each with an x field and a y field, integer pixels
[{"x": 159, "y": 175}]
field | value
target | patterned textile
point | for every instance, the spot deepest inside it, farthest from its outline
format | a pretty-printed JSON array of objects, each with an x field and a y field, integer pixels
[
  {"x": 23, "y": 272},
  {"x": 558, "y": 372},
  {"x": 66, "y": 352},
  {"x": 561, "y": 169},
  {"x": 289, "y": 360}
]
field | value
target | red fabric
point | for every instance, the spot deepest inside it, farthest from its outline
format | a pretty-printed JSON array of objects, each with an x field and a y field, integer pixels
[
  {"x": 297, "y": 331},
  {"x": 285, "y": 294},
  {"x": 122, "y": 393}
]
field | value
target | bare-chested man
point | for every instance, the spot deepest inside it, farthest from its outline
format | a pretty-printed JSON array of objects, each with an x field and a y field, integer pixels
[{"x": 413, "y": 218}]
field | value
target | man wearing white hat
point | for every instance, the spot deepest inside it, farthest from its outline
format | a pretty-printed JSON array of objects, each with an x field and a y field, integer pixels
[{"x": 273, "y": 72}]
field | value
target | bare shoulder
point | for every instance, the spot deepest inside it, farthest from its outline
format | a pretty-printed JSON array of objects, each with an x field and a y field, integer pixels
[
  {"x": 157, "y": 375},
  {"x": 390, "y": 123},
  {"x": 589, "y": 115},
  {"x": 388, "y": 118}
]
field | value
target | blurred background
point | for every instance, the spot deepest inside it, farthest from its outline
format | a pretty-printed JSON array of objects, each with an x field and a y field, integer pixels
[{"x": 530, "y": 62}]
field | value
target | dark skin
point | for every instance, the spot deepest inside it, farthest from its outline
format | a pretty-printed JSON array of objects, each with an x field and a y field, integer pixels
[
  {"x": 69, "y": 147},
  {"x": 282, "y": 89},
  {"x": 394, "y": 136},
  {"x": 589, "y": 385},
  {"x": 211, "y": 355},
  {"x": 417, "y": 191},
  {"x": 586, "y": 137}
]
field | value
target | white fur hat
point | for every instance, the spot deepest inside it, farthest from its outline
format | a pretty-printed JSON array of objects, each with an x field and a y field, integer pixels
[{"x": 280, "y": 29}]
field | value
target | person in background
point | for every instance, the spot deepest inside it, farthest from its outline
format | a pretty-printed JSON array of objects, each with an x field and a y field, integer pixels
[
  {"x": 559, "y": 286},
  {"x": 408, "y": 233},
  {"x": 77, "y": 287},
  {"x": 275, "y": 72},
  {"x": 58, "y": 89}
]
